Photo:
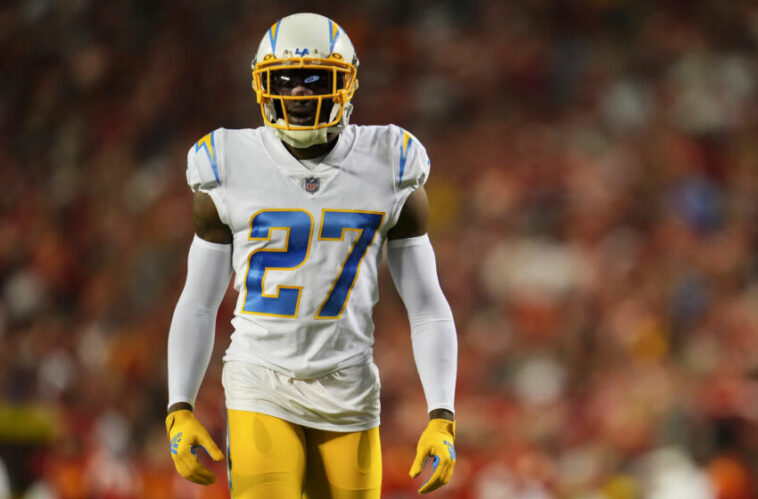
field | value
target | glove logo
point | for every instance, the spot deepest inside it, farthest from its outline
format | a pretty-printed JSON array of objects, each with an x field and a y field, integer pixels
[
  {"x": 450, "y": 449},
  {"x": 175, "y": 442}
]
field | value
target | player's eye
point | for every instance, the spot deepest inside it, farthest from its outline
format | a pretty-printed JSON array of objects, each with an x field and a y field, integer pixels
[{"x": 317, "y": 81}]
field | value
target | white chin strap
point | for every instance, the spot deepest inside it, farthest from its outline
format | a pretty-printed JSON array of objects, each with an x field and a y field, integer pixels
[{"x": 301, "y": 139}]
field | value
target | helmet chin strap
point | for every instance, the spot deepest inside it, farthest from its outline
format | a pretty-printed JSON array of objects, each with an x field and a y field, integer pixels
[{"x": 301, "y": 139}]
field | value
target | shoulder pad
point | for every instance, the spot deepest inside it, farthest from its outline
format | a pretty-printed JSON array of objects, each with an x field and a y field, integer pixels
[
  {"x": 203, "y": 162},
  {"x": 412, "y": 165}
]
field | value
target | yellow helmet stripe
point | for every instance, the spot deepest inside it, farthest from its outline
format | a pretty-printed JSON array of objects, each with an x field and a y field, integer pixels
[
  {"x": 273, "y": 33},
  {"x": 334, "y": 32}
]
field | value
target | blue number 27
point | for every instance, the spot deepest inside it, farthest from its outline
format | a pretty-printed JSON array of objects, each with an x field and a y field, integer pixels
[{"x": 298, "y": 224}]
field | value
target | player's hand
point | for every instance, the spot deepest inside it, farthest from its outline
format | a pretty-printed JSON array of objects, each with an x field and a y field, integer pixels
[
  {"x": 436, "y": 443},
  {"x": 186, "y": 434}
]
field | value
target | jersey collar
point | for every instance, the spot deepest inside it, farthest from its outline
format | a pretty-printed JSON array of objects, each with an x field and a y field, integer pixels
[{"x": 334, "y": 159}]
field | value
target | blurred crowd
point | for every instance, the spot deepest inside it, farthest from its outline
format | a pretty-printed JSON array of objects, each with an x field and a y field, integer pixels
[{"x": 594, "y": 193}]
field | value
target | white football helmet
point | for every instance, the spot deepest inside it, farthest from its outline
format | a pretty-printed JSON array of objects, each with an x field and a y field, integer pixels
[{"x": 306, "y": 43}]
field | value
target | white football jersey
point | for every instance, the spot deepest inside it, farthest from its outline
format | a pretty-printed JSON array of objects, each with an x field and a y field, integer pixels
[{"x": 306, "y": 241}]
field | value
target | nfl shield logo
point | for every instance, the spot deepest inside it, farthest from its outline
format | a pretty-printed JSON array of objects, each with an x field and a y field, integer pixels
[{"x": 312, "y": 184}]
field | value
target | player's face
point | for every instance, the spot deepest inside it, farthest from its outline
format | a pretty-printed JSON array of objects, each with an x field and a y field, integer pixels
[{"x": 302, "y": 82}]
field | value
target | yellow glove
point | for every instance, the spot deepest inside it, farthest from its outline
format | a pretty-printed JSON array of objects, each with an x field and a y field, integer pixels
[
  {"x": 437, "y": 443},
  {"x": 186, "y": 434}
]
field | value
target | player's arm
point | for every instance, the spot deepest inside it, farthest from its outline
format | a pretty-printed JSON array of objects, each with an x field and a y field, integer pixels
[
  {"x": 190, "y": 341},
  {"x": 433, "y": 337},
  {"x": 205, "y": 219}
]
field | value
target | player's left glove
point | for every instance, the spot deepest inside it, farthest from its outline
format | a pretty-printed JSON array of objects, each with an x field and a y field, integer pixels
[
  {"x": 187, "y": 434},
  {"x": 436, "y": 442}
]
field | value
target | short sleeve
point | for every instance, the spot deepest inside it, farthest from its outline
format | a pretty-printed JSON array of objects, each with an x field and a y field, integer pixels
[
  {"x": 203, "y": 172},
  {"x": 205, "y": 169},
  {"x": 412, "y": 165}
]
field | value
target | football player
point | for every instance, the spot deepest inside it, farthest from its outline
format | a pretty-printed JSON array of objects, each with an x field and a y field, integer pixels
[{"x": 299, "y": 209}]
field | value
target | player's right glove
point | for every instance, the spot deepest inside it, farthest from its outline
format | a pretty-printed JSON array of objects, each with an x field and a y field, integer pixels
[
  {"x": 436, "y": 442},
  {"x": 185, "y": 434}
]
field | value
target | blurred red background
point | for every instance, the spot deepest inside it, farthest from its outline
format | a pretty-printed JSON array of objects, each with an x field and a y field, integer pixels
[{"x": 594, "y": 187}]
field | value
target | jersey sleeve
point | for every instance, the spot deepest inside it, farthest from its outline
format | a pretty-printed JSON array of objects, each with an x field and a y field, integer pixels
[
  {"x": 411, "y": 166},
  {"x": 203, "y": 163},
  {"x": 412, "y": 163},
  {"x": 205, "y": 169}
]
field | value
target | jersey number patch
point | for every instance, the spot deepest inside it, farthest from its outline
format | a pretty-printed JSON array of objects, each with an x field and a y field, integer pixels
[{"x": 298, "y": 225}]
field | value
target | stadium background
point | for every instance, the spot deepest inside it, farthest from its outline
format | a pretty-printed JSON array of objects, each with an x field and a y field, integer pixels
[{"x": 594, "y": 195}]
